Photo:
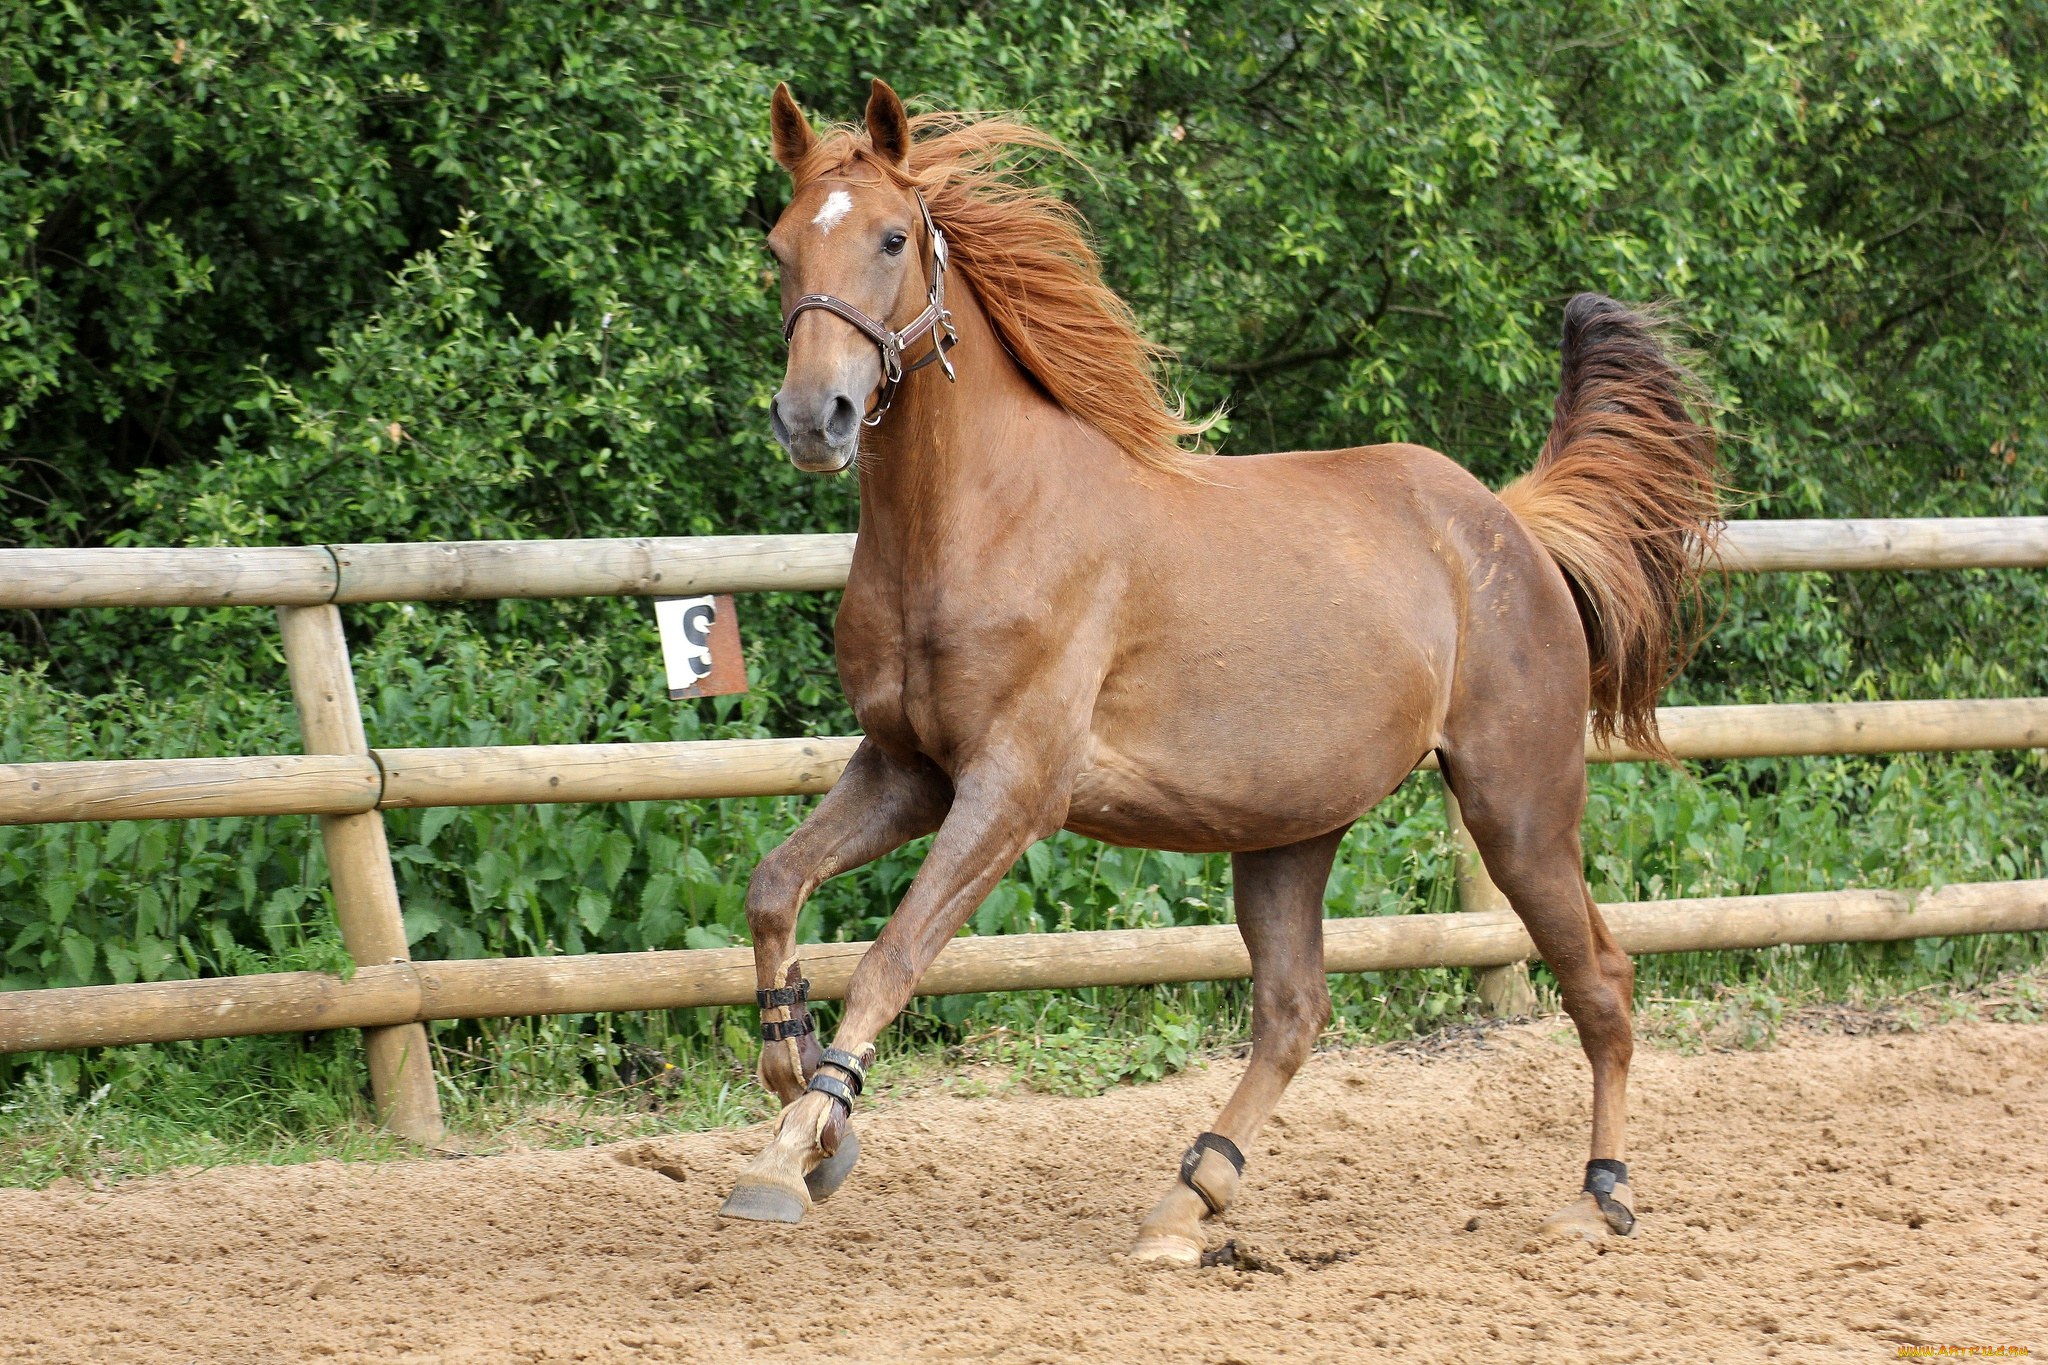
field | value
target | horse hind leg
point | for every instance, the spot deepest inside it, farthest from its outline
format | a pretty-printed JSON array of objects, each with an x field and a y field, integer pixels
[
  {"x": 1527, "y": 833},
  {"x": 1279, "y": 896}
]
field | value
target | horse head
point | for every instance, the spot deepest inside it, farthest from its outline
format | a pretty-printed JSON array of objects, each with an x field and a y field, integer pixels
[{"x": 863, "y": 281}]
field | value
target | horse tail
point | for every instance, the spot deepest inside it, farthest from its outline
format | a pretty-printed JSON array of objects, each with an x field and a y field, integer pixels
[{"x": 1626, "y": 498}]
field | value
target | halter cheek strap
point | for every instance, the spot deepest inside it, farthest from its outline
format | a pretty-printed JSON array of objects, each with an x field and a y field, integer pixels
[{"x": 935, "y": 319}]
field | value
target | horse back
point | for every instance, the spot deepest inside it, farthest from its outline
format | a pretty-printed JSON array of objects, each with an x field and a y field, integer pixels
[{"x": 1305, "y": 625}]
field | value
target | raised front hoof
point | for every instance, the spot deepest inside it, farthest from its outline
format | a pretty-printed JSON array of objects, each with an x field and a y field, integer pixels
[
  {"x": 760, "y": 1203},
  {"x": 1165, "y": 1248},
  {"x": 1585, "y": 1218},
  {"x": 827, "y": 1176}
]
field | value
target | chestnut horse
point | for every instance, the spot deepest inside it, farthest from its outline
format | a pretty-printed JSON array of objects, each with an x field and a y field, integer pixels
[{"x": 1057, "y": 618}]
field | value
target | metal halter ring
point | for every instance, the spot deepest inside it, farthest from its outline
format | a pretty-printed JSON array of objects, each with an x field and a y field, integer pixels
[{"x": 935, "y": 319}]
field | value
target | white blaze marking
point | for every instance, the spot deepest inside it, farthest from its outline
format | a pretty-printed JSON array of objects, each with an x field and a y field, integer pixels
[{"x": 837, "y": 205}]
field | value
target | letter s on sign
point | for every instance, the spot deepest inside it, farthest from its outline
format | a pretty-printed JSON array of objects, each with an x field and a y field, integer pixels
[{"x": 700, "y": 646}]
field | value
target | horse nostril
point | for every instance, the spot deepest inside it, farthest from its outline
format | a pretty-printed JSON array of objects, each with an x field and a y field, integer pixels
[
  {"x": 778, "y": 427},
  {"x": 844, "y": 422}
]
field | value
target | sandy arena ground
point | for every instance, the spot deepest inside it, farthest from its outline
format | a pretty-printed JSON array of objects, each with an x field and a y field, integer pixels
[{"x": 1835, "y": 1199}]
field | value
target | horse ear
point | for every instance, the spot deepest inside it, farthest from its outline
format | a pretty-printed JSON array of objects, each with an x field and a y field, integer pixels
[
  {"x": 888, "y": 125},
  {"x": 790, "y": 130}
]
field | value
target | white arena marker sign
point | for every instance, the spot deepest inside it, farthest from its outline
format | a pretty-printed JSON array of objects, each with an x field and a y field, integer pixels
[{"x": 700, "y": 646}]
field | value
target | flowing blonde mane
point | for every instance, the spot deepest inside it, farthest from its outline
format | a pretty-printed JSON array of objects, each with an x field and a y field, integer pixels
[{"x": 1026, "y": 252}]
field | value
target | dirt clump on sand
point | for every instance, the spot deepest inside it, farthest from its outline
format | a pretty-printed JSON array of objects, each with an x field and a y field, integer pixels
[{"x": 1833, "y": 1199}]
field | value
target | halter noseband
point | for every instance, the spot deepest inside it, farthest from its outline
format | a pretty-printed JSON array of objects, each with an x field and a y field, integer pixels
[{"x": 934, "y": 319}]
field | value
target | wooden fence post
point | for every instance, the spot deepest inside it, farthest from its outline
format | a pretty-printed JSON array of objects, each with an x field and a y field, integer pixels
[
  {"x": 1502, "y": 990},
  {"x": 359, "y": 867}
]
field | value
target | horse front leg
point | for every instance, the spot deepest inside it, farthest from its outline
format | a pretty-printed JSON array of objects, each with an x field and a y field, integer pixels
[
  {"x": 1278, "y": 893},
  {"x": 992, "y": 821},
  {"x": 877, "y": 806}
]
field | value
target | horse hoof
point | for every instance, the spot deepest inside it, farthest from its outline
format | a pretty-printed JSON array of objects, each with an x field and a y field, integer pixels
[
  {"x": 758, "y": 1203},
  {"x": 1583, "y": 1218},
  {"x": 1167, "y": 1249},
  {"x": 828, "y": 1175}
]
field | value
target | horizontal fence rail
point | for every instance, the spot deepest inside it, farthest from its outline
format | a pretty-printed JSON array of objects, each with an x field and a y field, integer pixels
[
  {"x": 1878, "y": 543},
  {"x": 448, "y": 571},
  {"x": 491, "y": 569},
  {"x": 187, "y": 788},
  {"x": 345, "y": 782},
  {"x": 386, "y": 779},
  {"x": 411, "y": 992},
  {"x": 1805, "y": 729}
]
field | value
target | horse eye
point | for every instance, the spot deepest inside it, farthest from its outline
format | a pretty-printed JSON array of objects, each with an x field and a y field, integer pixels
[{"x": 893, "y": 243}]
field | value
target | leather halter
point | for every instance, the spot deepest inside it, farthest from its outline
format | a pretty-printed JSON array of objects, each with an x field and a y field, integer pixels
[{"x": 934, "y": 319}]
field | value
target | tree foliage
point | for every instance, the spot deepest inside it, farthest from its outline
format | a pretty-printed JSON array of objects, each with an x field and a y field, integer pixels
[
  {"x": 434, "y": 271},
  {"x": 274, "y": 274}
]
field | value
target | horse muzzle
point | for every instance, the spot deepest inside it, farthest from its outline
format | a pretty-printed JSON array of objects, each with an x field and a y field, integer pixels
[{"x": 821, "y": 430}]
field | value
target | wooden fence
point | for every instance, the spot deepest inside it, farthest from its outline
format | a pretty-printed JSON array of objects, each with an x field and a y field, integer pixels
[{"x": 343, "y": 781}]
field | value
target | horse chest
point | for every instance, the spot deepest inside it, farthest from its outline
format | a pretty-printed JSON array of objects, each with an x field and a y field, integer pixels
[
  {"x": 923, "y": 688},
  {"x": 919, "y": 700}
]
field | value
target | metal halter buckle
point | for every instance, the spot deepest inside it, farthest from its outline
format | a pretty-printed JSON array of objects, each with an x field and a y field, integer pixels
[{"x": 935, "y": 319}]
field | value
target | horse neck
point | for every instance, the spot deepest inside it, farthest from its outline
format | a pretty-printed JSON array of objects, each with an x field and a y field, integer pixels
[{"x": 963, "y": 457}]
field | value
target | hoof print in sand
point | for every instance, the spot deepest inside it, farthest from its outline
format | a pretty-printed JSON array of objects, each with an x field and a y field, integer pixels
[{"x": 646, "y": 1157}]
